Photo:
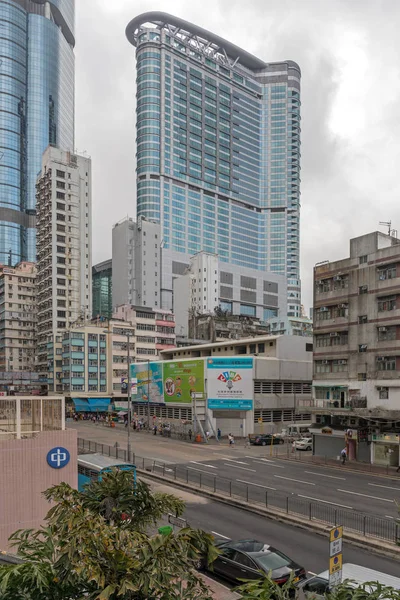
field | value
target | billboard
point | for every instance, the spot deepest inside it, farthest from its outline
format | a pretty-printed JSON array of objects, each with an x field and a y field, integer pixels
[
  {"x": 230, "y": 383},
  {"x": 147, "y": 382},
  {"x": 182, "y": 379}
]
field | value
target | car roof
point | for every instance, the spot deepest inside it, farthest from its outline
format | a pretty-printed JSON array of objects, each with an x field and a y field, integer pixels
[
  {"x": 250, "y": 546},
  {"x": 364, "y": 574}
]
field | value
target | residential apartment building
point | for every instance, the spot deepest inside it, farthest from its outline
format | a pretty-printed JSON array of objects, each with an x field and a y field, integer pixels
[
  {"x": 290, "y": 326},
  {"x": 102, "y": 289},
  {"x": 36, "y": 110},
  {"x": 64, "y": 240},
  {"x": 18, "y": 318},
  {"x": 209, "y": 284},
  {"x": 356, "y": 382},
  {"x": 218, "y": 151}
]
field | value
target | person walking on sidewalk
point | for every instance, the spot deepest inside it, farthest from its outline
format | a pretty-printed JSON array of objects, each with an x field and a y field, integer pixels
[
  {"x": 231, "y": 440},
  {"x": 343, "y": 455}
]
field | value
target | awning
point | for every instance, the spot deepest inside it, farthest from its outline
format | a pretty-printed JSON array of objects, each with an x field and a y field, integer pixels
[
  {"x": 81, "y": 404},
  {"x": 330, "y": 385},
  {"x": 99, "y": 404}
]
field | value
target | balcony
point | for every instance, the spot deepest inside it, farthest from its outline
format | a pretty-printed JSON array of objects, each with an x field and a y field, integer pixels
[{"x": 314, "y": 405}]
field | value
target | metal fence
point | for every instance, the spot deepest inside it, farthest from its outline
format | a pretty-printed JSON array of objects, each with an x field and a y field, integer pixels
[{"x": 258, "y": 495}]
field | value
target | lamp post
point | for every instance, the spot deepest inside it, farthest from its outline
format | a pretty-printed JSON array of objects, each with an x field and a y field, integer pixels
[{"x": 148, "y": 394}]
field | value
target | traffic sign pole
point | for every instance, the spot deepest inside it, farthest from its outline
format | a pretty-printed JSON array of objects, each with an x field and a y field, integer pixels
[{"x": 335, "y": 556}]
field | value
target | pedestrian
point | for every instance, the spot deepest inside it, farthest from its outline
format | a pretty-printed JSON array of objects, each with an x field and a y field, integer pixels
[
  {"x": 343, "y": 455},
  {"x": 155, "y": 429},
  {"x": 190, "y": 435},
  {"x": 207, "y": 436},
  {"x": 231, "y": 439},
  {"x": 218, "y": 434}
]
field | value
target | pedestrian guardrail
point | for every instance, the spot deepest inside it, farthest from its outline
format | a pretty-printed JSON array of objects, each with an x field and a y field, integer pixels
[{"x": 258, "y": 495}]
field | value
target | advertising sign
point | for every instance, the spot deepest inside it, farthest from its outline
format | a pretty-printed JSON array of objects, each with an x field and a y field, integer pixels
[
  {"x": 58, "y": 457},
  {"x": 147, "y": 382},
  {"x": 230, "y": 383},
  {"x": 183, "y": 380}
]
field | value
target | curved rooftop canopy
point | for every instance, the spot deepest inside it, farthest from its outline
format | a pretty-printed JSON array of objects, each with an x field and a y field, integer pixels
[{"x": 197, "y": 34}]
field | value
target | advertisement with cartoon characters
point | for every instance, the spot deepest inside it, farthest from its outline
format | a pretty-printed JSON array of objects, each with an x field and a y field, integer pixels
[
  {"x": 182, "y": 379},
  {"x": 230, "y": 383}
]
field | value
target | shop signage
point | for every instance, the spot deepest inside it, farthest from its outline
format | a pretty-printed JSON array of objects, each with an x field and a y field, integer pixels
[
  {"x": 228, "y": 404},
  {"x": 58, "y": 457},
  {"x": 386, "y": 437}
]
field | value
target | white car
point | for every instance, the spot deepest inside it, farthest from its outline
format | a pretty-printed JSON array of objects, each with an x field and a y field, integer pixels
[{"x": 303, "y": 444}]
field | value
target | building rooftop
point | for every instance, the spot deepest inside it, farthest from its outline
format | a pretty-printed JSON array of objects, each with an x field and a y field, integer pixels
[{"x": 240, "y": 342}]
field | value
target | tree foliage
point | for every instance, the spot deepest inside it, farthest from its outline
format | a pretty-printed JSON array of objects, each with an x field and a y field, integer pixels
[{"x": 97, "y": 546}]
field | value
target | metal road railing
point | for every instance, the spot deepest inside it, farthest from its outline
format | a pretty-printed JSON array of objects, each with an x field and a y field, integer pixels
[{"x": 257, "y": 495}]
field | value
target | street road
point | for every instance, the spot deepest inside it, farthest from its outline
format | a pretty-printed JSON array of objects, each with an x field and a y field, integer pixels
[
  {"x": 324, "y": 485},
  {"x": 307, "y": 548}
]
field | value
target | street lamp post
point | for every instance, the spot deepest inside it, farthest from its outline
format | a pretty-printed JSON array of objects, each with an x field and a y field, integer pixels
[
  {"x": 148, "y": 394},
  {"x": 128, "y": 336}
]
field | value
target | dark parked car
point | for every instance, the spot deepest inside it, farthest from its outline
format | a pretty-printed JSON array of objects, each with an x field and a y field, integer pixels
[
  {"x": 250, "y": 559},
  {"x": 264, "y": 439}
]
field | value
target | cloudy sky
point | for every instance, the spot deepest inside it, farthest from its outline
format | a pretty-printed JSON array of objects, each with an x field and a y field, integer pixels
[{"x": 349, "y": 53}]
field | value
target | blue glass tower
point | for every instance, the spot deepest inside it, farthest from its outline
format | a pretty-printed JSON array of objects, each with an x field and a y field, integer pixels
[
  {"x": 36, "y": 109},
  {"x": 218, "y": 148}
]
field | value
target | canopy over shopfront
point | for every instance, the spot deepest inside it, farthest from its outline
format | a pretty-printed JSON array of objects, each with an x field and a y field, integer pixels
[{"x": 91, "y": 404}]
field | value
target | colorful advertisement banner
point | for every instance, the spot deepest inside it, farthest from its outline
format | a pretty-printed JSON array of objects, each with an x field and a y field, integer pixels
[
  {"x": 230, "y": 383},
  {"x": 182, "y": 379},
  {"x": 147, "y": 379}
]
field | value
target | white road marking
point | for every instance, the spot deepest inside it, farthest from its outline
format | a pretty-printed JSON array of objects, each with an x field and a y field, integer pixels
[
  {"x": 385, "y": 486},
  {"x": 365, "y": 495},
  {"x": 389, "y": 517},
  {"x": 325, "y": 501},
  {"x": 200, "y": 470},
  {"x": 162, "y": 467},
  {"x": 271, "y": 464},
  {"x": 296, "y": 480},
  {"x": 203, "y": 464},
  {"x": 260, "y": 458},
  {"x": 256, "y": 484},
  {"x": 220, "y": 535},
  {"x": 322, "y": 475},
  {"x": 311, "y": 573},
  {"x": 239, "y": 462},
  {"x": 237, "y": 467}
]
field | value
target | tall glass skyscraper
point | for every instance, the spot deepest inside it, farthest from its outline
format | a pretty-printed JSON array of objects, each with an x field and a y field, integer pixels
[
  {"x": 36, "y": 110},
  {"x": 218, "y": 148}
]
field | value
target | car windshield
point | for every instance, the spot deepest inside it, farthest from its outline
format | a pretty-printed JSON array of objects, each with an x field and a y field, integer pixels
[{"x": 272, "y": 560}]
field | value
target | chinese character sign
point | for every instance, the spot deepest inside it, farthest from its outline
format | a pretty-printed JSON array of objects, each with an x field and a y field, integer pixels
[
  {"x": 230, "y": 383},
  {"x": 147, "y": 382},
  {"x": 183, "y": 380}
]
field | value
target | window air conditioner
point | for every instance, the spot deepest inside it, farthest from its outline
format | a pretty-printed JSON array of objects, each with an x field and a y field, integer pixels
[
  {"x": 382, "y": 329},
  {"x": 334, "y": 334}
]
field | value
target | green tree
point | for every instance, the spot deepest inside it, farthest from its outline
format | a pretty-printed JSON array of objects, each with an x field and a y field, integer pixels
[{"x": 96, "y": 546}]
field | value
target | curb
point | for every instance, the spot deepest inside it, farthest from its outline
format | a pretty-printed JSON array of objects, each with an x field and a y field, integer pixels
[{"x": 374, "y": 545}]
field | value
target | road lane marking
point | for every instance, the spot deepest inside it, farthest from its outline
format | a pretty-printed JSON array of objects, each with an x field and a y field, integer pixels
[
  {"x": 200, "y": 470},
  {"x": 296, "y": 480},
  {"x": 389, "y": 517},
  {"x": 162, "y": 467},
  {"x": 220, "y": 535},
  {"x": 385, "y": 486},
  {"x": 322, "y": 475},
  {"x": 203, "y": 464},
  {"x": 270, "y": 465},
  {"x": 311, "y": 573},
  {"x": 256, "y": 484},
  {"x": 260, "y": 458},
  {"x": 325, "y": 501},
  {"x": 239, "y": 462},
  {"x": 365, "y": 495},
  {"x": 237, "y": 467}
]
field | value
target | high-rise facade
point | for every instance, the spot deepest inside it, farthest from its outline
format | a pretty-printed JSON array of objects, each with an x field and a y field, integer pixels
[
  {"x": 218, "y": 150},
  {"x": 36, "y": 110},
  {"x": 64, "y": 241},
  {"x": 102, "y": 289}
]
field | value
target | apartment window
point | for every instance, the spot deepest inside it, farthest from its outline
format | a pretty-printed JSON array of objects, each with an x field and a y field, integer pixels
[
  {"x": 383, "y": 393},
  {"x": 363, "y": 289},
  {"x": 362, "y": 319},
  {"x": 386, "y": 303},
  {"x": 60, "y": 281},
  {"x": 387, "y": 272},
  {"x": 61, "y": 324},
  {"x": 386, "y": 363},
  {"x": 363, "y": 259},
  {"x": 261, "y": 348},
  {"x": 60, "y": 174},
  {"x": 362, "y": 377},
  {"x": 61, "y": 185},
  {"x": 60, "y": 271},
  {"x": 362, "y": 347},
  {"x": 252, "y": 348},
  {"x": 387, "y": 333},
  {"x": 60, "y": 196},
  {"x": 334, "y": 338},
  {"x": 322, "y": 366}
]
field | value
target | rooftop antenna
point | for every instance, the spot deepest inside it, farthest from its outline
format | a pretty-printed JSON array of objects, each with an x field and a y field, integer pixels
[{"x": 388, "y": 224}]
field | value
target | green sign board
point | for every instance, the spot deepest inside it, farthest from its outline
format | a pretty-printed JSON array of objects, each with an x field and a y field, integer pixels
[{"x": 182, "y": 379}]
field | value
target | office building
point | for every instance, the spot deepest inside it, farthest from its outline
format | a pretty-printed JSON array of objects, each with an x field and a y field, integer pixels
[
  {"x": 212, "y": 287},
  {"x": 136, "y": 263},
  {"x": 356, "y": 388},
  {"x": 18, "y": 318},
  {"x": 102, "y": 289},
  {"x": 218, "y": 151},
  {"x": 64, "y": 278},
  {"x": 36, "y": 110}
]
